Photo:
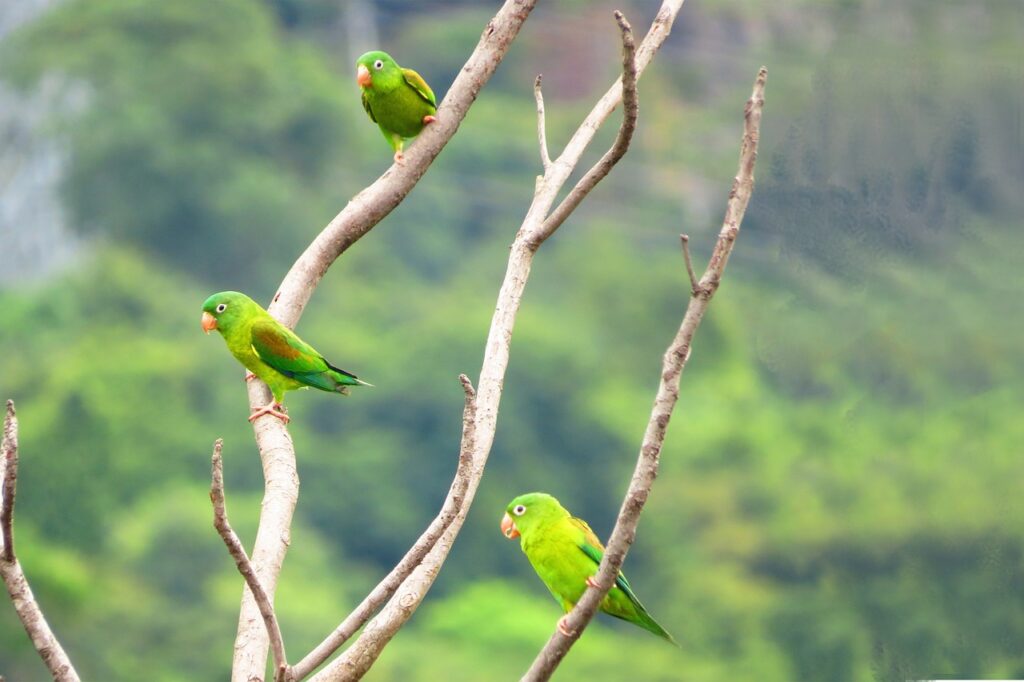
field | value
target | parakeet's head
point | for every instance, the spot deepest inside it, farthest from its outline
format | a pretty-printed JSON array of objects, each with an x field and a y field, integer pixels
[
  {"x": 529, "y": 511},
  {"x": 377, "y": 70},
  {"x": 222, "y": 310}
]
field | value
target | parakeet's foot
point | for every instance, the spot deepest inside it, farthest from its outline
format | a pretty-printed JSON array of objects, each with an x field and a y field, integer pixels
[
  {"x": 249, "y": 376},
  {"x": 399, "y": 157},
  {"x": 428, "y": 119},
  {"x": 592, "y": 583},
  {"x": 563, "y": 627},
  {"x": 272, "y": 408}
]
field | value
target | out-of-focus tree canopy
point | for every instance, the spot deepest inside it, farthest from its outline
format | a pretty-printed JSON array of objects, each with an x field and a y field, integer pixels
[{"x": 839, "y": 495}]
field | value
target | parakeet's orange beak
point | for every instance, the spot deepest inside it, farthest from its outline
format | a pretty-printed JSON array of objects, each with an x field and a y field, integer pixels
[
  {"x": 363, "y": 76},
  {"x": 508, "y": 527},
  {"x": 209, "y": 322}
]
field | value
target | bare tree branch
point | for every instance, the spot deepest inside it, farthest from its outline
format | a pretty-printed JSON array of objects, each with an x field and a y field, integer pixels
[
  {"x": 630, "y": 111},
  {"x": 10, "y": 484},
  {"x": 237, "y": 551},
  {"x": 360, "y": 656},
  {"x": 542, "y": 131},
  {"x": 31, "y": 616},
  {"x": 387, "y": 587},
  {"x": 668, "y": 392},
  {"x": 694, "y": 284},
  {"x": 362, "y": 213}
]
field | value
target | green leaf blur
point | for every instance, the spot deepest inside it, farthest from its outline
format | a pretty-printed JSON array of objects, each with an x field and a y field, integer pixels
[{"x": 839, "y": 496}]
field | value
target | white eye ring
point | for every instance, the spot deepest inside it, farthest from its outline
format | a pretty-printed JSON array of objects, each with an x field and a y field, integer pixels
[
  {"x": 379, "y": 64},
  {"x": 519, "y": 510},
  {"x": 222, "y": 307}
]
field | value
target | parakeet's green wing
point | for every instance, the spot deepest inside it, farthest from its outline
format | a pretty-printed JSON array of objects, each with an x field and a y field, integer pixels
[
  {"x": 280, "y": 348},
  {"x": 417, "y": 83},
  {"x": 593, "y": 548},
  {"x": 366, "y": 105}
]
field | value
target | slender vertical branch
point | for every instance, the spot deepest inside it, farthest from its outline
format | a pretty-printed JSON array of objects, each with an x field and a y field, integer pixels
[
  {"x": 9, "y": 452},
  {"x": 668, "y": 392},
  {"x": 31, "y": 616},
  {"x": 542, "y": 133},
  {"x": 694, "y": 284},
  {"x": 237, "y": 551}
]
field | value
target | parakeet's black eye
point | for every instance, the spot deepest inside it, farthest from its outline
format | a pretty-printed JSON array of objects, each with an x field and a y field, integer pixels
[
  {"x": 378, "y": 65},
  {"x": 222, "y": 307},
  {"x": 519, "y": 510}
]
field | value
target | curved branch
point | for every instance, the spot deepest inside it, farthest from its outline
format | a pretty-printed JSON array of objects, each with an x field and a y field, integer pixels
[
  {"x": 362, "y": 213},
  {"x": 390, "y": 584},
  {"x": 360, "y": 656},
  {"x": 375, "y": 202},
  {"x": 668, "y": 392},
  {"x": 29, "y": 613},
  {"x": 542, "y": 128},
  {"x": 237, "y": 551}
]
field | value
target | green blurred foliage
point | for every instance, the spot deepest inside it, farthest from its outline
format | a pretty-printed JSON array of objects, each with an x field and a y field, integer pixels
[{"x": 839, "y": 493}]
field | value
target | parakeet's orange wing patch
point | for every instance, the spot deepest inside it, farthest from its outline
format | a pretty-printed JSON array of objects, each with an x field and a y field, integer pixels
[
  {"x": 588, "y": 535},
  {"x": 280, "y": 348},
  {"x": 419, "y": 85}
]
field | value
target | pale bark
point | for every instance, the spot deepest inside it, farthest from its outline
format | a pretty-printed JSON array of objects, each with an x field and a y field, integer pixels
[{"x": 31, "y": 616}]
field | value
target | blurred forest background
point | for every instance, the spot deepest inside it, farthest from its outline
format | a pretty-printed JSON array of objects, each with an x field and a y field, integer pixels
[{"x": 840, "y": 496}]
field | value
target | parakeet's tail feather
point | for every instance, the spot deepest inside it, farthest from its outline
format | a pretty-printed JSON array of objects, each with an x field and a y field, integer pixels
[
  {"x": 651, "y": 625},
  {"x": 643, "y": 619},
  {"x": 343, "y": 379},
  {"x": 332, "y": 380}
]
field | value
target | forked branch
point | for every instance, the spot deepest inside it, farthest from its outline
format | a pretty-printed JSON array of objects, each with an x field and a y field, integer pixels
[
  {"x": 668, "y": 392},
  {"x": 29, "y": 613},
  {"x": 390, "y": 584},
  {"x": 630, "y": 112}
]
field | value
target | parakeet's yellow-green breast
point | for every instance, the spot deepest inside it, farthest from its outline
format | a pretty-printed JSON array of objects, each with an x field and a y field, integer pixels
[
  {"x": 398, "y": 100},
  {"x": 566, "y": 555},
  {"x": 270, "y": 350}
]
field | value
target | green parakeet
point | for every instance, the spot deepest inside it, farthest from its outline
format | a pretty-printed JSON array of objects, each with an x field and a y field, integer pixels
[
  {"x": 398, "y": 100},
  {"x": 566, "y": 554},
  {"x": 271, "y": 351}
]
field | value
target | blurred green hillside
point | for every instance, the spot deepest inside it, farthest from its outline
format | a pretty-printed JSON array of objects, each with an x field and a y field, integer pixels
[{"x": 840, "y": 489}]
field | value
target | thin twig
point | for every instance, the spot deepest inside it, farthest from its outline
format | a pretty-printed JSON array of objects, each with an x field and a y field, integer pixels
[
  {"x": 363, "y": 212},
  {"x": 630, "y": 112},
  {"x": 694, "y": 284},
  {"x": 542, "y": 134},
  {"x": 10, "y": 484},
  {"x": 668, "y": 392},
  {"x": 31, "y": 616},
  {"x": 387, "y": 587},
  {"x": 361, "y": 654},
  {"x": 237, "y": 551}
]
